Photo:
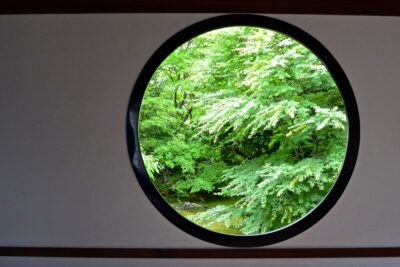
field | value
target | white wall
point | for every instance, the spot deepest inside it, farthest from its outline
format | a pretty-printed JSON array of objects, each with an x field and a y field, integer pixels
[{"x": 65, "y": 175}]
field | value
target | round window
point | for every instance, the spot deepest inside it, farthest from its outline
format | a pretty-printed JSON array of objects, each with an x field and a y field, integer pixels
[{"x": 243, "y": 130}]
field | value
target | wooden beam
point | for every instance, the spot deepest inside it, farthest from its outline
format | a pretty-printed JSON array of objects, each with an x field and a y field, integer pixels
[
  {"x": 176, "y": 253},
  {"x": 342, "y": 7}
]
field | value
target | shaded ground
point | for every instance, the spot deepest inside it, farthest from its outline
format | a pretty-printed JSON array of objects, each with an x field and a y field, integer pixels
[{"x": 219, "y": 226}]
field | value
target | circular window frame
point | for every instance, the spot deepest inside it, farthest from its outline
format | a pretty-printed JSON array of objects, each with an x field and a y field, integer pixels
[{"x": 338, "y": 75}]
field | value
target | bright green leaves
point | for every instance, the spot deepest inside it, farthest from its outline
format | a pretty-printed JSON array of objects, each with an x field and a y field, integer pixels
[
  {"x": 177, "y": 153},
  {"x": 152, "y": 165},
  {"x": 248, "y": 115},
  {"x": 321, "y": 119}
]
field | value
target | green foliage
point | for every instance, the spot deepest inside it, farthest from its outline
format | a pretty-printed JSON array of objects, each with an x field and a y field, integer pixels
[
  {"x": 207, "y": 180},
  {"x": 248, "y": 114},
  {"x": 152, "y": 165}
]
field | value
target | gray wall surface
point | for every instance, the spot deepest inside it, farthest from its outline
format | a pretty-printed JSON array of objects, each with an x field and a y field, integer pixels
[{"x": 65, "y": 175}]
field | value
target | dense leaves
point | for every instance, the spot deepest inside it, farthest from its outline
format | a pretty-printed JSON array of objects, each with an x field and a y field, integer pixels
[{"x": 247, "y": 114}]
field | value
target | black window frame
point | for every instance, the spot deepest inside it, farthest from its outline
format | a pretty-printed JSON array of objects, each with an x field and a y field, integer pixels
[{"x": 337, "y": 74}]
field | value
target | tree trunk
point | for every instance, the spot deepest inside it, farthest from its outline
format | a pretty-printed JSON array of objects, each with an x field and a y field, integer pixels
[{"x": 165, "y": 176}]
